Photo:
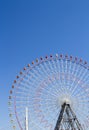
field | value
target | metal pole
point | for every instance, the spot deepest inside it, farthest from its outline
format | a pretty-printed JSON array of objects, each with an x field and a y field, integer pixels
[{"x": 27, "y": 118}]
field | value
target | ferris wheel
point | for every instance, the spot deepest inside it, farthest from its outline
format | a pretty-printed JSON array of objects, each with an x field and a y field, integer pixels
[{"x": 51, "y": 93}]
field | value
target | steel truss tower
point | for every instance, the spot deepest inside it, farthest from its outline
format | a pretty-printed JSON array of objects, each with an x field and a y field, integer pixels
[{"x": 67, "y": 119}]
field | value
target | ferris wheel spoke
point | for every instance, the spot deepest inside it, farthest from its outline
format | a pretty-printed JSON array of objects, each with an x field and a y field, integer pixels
[
  {"x": 81, "y": 75},
  {"x": 75, "y": 85},
  {"x": 80, "y": 94}
]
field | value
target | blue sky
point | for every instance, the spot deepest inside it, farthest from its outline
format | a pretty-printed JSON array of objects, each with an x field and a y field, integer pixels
[{"x": 34, "y": 28}]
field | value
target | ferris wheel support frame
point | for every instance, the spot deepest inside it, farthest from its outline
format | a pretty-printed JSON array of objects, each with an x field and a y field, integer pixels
[{"x": 71, "y": 118}]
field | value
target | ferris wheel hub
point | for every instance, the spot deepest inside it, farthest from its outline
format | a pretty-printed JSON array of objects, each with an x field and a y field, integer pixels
[{"x": 65, "y": 99}]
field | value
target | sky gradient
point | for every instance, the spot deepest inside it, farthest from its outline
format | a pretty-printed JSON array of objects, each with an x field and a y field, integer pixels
[{"x": 34, "y": 28}]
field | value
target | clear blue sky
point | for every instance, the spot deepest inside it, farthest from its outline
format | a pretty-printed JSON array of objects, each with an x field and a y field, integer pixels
[{"x": 34, "y": 28}]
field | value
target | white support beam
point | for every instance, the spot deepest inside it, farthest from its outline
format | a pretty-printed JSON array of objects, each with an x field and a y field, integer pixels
[{"x": 27, "y": 118}]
